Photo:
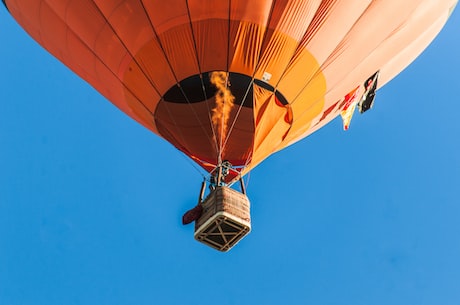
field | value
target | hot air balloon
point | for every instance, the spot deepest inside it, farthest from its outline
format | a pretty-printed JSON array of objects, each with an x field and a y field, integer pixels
[{"x": 230, "y": 82}]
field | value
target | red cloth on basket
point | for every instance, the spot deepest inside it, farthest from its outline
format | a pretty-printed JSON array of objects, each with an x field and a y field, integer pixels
[{"x": 192, "y": 215}]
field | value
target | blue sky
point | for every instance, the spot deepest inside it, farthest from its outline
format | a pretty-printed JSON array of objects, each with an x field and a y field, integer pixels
[{"x": 91, "y": 202}]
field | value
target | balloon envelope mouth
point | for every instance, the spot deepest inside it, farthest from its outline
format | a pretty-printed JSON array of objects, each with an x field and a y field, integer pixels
[{"x": 198, "y": 88}]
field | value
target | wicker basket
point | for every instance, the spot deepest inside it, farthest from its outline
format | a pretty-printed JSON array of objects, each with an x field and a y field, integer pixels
[{"x": 225, "y": 219}]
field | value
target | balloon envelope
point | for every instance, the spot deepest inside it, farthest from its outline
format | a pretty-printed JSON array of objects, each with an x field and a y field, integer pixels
[{"x": 232, "y": 80}]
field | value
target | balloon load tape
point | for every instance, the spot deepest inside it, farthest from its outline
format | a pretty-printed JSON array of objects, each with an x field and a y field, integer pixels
[{"x": 225, "y": 219}]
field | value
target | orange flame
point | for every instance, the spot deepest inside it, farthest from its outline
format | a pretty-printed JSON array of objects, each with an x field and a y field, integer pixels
[{"x": 224, "y": 103}]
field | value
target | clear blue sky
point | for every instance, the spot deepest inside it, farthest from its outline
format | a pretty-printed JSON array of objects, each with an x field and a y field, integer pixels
[{"x": 91, "y": 202}]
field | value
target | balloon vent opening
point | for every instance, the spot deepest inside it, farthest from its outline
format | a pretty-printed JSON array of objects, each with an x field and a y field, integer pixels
[{"x": 225, "y": 219}]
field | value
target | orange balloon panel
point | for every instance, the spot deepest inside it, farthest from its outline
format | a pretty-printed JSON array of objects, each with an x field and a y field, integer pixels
[{"x": 282, "y": 66}]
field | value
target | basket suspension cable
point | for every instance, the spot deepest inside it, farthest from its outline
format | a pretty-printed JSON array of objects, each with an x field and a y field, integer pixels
[
  {"x": 256, "y": 67},
  {"x": 203, "y": 87},
  {"x": 247, "y": 180},
  {"x": 238, "y": 112},
  {"x": 222, "y": 122},
  {"x": 170, "y": 65},
  {"x": 213, "y": 129},
  {"x": 193, "y": 164}
]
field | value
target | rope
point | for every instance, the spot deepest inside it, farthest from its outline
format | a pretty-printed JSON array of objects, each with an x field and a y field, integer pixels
[
  {"x": 172, "y": 70},
  {"x": 203, "y": 87},
  {"x": 256, "y": 66},
  {"x": 198, "y": 169}
]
